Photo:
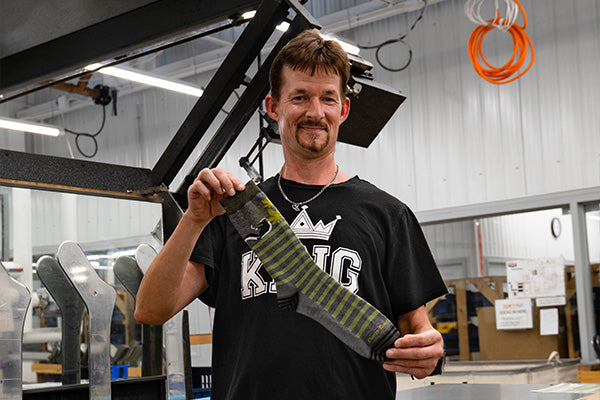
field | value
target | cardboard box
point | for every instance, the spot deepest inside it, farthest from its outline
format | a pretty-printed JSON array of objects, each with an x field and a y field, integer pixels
[{"x": 522, "y": 344}]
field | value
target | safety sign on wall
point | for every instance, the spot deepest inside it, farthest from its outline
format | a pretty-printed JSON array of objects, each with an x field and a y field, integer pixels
[{"x": 513, "y": 314}]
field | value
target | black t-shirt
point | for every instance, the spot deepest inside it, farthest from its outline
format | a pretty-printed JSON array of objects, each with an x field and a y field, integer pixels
[{"x": 367, "y": 240}]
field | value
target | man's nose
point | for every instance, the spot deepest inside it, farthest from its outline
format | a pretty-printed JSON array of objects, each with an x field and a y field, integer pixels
[{"x": 315, "y": 108}]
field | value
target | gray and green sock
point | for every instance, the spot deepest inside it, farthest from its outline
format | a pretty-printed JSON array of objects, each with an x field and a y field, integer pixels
[{"x": 301, "y": 285}]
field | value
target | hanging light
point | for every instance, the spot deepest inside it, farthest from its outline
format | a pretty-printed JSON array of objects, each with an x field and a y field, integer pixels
[
  {"x": 147, "y": 78},
  {"x": 32, "y": 127}
]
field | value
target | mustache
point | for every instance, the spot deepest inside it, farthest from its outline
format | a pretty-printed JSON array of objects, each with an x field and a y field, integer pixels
[{"x": 315, "y": 124}]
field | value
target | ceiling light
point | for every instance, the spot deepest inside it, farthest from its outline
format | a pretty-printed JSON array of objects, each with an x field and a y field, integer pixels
[
  {"x": 284, "y": 26},
  {"x": 148, "y": 78},
  {"x": 28, "y": 126},
  {"x": 249, "y": 14},
  {"x": 348, "y": 48}
]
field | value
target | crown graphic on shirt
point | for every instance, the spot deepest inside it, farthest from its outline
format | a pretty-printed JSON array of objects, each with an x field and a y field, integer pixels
[{"x": 304, "y": 228}]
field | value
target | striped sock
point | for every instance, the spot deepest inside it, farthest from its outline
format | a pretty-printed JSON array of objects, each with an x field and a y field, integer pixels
[{"x": 301, "y": 285}]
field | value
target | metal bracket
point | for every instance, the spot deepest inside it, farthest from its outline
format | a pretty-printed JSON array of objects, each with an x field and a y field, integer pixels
[
  {"x": 151, "y": 190},
  {"x": 144, "y": 255},
  {"x": 71, "y": 308},
  {"x": 128, "y": 272},
  {"x": 99, "y": 299},
  {"x": 14, "y": 302}
]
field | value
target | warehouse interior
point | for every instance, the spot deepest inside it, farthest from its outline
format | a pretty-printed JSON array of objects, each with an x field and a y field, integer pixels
[{"x": 504, "y": 178}]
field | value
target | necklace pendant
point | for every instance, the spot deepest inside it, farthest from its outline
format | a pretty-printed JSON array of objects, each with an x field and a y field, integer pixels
[{"x": 296, "y": 206}]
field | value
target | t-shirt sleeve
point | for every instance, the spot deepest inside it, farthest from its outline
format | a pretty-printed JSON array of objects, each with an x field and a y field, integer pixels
[
  {"x": 414, "y": 276},
  {"x": 206, "y": 251}
]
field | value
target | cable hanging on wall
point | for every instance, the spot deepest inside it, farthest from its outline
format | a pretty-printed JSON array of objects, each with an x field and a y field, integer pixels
[
  {"x": 400, "y": 39},
  {"x": 473, "y": 12},
  {"x": 91, "y": 136},
  {"x": 503, "y": 74}
]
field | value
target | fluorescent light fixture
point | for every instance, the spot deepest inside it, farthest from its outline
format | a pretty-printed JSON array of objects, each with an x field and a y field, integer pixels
[
  {"x": 147, "y": 78},
  {"x": 284, "y": 26},
  {"x": 249, "y": 14},
  {"x": 28, "y": 126},
  {"x": 348, "y": 48}
]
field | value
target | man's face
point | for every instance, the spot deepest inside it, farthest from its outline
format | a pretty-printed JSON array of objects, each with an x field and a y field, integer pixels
[{"x": 309, "y": 111}]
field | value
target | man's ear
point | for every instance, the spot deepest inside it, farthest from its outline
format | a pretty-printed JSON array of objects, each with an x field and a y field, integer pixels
[
  {"x": 345, "y": 110},
  {"x": 271, "y": 106}
]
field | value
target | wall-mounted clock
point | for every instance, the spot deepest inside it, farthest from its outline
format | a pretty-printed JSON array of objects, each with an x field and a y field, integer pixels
[{"x": 555, "y": 227}]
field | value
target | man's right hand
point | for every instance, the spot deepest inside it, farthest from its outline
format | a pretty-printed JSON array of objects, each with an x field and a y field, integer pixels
[{"x": 210, "y": 186}]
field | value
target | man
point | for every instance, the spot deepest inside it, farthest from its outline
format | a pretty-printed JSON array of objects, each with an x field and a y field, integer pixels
[{"x": 364, "y": 238}]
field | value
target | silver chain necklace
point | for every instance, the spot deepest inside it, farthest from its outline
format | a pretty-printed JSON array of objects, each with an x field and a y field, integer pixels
[{"x": 296, "y": 206}]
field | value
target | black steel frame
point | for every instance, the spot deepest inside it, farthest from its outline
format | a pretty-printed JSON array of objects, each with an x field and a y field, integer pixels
[{"x": 133, "y": 30}]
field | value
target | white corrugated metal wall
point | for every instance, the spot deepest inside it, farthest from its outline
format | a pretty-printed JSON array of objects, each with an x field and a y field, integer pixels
[
  {"x": 529, "y": 237},
  {"x": 451, "y": 244},
  {"x": 95, "y": 222},
  {"x": 460, "y": 140},
  {"x": 457, "y": 139}
]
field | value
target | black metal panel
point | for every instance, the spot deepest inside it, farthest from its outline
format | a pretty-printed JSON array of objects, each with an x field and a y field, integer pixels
[
  {"x": 152, "y": 353},
  {"x": 114, "y": 37},
  {"x": 171, "y": 214},
  {"x": 187, "y": 356},
  {"x": 228, "y": 77},
  {"x": 370, "y": 110},
  {"x": 65, "y": 174},
  {"x": 150, "y": 388}
]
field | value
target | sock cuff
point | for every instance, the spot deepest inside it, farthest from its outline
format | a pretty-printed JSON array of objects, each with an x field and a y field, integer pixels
[{"x": 236, "y": 202}]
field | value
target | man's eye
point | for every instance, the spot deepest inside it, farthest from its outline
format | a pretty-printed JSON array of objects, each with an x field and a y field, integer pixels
[{"x": 329, "y": 100}]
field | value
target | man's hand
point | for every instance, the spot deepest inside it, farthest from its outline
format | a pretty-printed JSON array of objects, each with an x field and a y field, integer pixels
[
  {"x": 416, "y": 354},
  {"x": 210, "y": 186}
]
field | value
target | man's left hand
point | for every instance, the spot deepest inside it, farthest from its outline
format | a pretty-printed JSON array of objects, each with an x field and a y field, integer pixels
[{"x": 416, "y": 354}]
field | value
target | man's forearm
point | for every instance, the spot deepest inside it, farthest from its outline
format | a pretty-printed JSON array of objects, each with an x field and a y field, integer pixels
[{"x": 161, "y": 291}]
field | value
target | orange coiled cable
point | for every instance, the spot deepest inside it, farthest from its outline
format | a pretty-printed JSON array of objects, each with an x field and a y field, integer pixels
[{"x": 501, "y": 74}]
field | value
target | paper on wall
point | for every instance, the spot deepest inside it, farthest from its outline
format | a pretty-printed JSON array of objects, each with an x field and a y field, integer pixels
[
  {"x": 542, "y": 277},
  {"x": 513, "y": 314},
  {"x": 550, "y": 301},
  {"x": 549, "y": 321}
]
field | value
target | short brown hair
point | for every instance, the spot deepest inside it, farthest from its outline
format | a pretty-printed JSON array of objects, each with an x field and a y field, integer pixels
[{"x": 309, "y": 52}]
